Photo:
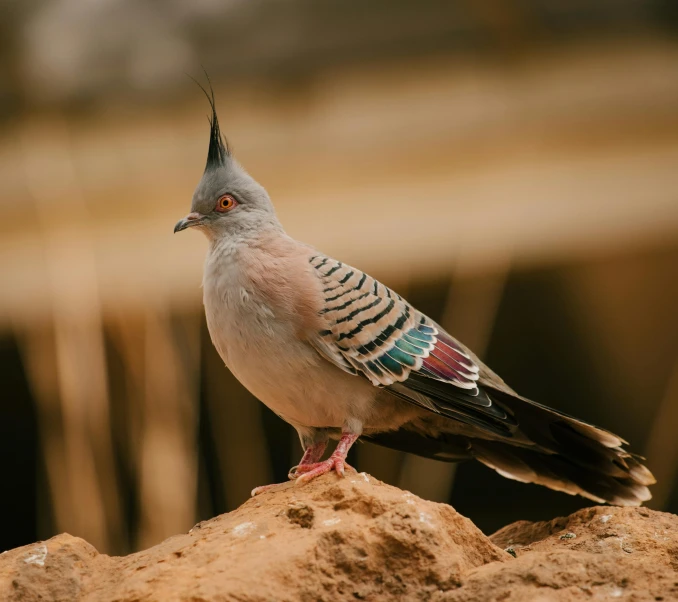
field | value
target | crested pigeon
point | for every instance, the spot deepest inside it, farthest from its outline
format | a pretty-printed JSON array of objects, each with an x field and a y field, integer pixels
[{"x": 338, "y": 355}]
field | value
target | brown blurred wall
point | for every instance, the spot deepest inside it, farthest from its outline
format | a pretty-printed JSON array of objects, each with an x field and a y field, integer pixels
[{"x": 524, "y": 193}]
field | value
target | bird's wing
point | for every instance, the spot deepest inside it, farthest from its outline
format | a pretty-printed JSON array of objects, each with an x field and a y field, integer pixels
[{"x": 372, "y": 331}]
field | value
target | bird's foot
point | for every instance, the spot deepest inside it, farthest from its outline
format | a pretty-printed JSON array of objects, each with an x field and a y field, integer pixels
[
  {"x": 297, "y": 471},
  {"x": 311, "y": 471}
]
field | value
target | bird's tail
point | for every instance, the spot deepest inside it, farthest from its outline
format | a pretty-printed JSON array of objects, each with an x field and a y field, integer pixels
[
  {"x": 624, "y": 485},
  {"x": 568, "y": 455},
  {"x": 540, "y": 445}
]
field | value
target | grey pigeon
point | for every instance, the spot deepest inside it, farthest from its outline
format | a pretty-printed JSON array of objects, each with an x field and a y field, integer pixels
[{"x": 338, "y": 355}]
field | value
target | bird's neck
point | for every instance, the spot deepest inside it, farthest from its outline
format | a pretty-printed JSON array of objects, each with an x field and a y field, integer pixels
[
  {"x": 261, "y": 274},
  {"x": 231, "y": 246}
]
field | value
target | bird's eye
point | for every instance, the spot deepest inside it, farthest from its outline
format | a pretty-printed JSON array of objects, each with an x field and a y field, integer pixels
[{"x": 225, "y": 203}]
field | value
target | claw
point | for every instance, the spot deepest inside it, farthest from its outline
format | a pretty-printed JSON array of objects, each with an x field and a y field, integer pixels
[
  {"x": 309, "y": 468},
  {"x": 263, "y": 489},
  {"x": 311, "y": 471}
]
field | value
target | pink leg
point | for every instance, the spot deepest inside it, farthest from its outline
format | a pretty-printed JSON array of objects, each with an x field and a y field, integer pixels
[
  {"x": 312, "y": 454},
  {"x": 336, "y": 461}
]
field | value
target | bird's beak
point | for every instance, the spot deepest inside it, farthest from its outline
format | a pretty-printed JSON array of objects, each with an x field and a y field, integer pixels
[{"x": 192, "y": 219}]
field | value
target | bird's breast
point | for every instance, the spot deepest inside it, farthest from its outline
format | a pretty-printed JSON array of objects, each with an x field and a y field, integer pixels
[{"x": 262, "y": 347}]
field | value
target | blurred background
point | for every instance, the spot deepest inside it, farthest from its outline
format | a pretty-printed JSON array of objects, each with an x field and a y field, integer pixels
[{"x": 510, "y": 167}]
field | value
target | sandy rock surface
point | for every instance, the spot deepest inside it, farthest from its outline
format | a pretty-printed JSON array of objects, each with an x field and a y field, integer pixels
[{"x": 359, "y": 539}]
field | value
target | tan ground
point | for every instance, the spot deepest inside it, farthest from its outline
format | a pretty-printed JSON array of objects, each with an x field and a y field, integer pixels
[{"x": 359, "y": 539}]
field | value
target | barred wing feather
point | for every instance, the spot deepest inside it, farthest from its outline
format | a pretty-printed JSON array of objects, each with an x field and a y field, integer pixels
[
  {"x": 372, "y": 331},
  {"x": 378, "y": 334}
]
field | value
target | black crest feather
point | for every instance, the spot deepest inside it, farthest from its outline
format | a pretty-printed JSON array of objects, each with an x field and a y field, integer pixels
[{"x": 218, "y": 150}]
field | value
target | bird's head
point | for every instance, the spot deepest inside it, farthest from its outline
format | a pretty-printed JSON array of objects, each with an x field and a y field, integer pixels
[{"x": 227, "y": 200}]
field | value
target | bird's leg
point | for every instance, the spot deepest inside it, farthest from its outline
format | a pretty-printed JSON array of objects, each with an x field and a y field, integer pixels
[
  {"x": 312, "y": 454},
  {"x": 336, "y": 461},
  {"x": 314, "y": 443}
]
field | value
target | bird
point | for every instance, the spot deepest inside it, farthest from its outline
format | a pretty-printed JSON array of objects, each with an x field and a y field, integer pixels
[{"x": 340, "y": 356}]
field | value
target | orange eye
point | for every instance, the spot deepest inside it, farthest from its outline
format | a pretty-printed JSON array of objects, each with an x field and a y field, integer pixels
[{"x": 225, "y": 203}]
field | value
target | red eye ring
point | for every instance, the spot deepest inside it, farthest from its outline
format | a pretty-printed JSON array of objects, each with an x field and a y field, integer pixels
[{"x": 225, "y": 203}]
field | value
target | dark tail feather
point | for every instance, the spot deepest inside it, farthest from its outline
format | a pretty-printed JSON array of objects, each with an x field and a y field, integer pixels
[
  {"x": 541, "y": 446},
  {"x": 604, "y": 483},
  {"x": 445, "y": 447},
  {"x": 563, "y": 474},
  {"x": 569, "y": 455}
]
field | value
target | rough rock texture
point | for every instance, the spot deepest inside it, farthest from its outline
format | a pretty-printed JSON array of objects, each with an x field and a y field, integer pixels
[
  {"x": 598, "y": 553},
  {"x": 358, "y": 539}
]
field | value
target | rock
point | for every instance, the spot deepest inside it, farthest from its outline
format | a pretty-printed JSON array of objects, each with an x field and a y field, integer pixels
[
  {"x": 599, "y": 553},
  {"x": 359, "y": 539}
]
